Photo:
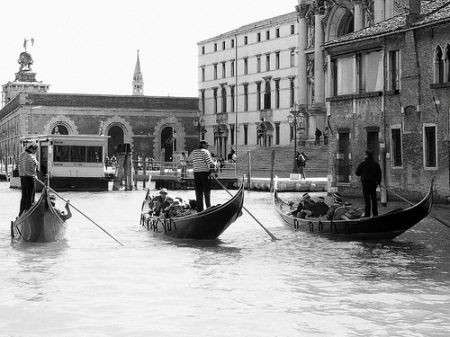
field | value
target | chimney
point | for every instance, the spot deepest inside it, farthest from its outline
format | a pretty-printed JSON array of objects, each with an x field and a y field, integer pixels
[{"x": 414, "y": 12}]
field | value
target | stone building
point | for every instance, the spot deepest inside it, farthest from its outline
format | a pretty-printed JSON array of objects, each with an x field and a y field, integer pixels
[
  {"x": 389, "y": 91},
  {"x": 159, "y": 127}
]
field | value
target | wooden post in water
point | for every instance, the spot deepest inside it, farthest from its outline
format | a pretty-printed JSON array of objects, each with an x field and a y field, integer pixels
[
  {"x": 145, "y": 172},
  {"x": 249, "y": 169},
  {"x": 272, "y": 168}
]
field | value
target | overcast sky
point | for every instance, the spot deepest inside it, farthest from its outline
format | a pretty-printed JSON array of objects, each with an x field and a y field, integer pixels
[{"x": 90, "y": 46}]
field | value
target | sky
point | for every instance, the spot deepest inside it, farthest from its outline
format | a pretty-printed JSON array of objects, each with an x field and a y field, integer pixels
[{"x": 90, "y": 47}]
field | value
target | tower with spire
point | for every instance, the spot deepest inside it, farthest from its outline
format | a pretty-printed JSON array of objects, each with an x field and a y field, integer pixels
[{"x": 138, "y": 80}]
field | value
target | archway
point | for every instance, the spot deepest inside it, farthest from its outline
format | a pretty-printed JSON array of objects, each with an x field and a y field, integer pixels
[
  {"x": 60, "y": 129},
  {"x": 264, "y": 134},
  {"x": 116, "y": 138},
  {"x": 168, "y": 143}
]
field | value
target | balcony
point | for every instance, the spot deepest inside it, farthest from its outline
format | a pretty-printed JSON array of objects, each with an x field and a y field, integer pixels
[
  {"x": 222, "y": 118},
  {"x": 266, "y": 114}
]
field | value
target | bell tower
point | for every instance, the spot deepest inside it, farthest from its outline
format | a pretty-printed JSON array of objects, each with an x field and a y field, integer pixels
[{"x": 138, "y": 80}]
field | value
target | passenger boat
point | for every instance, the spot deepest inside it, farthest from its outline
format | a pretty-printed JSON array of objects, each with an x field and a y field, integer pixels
[
  {"x": 40, "y": 223},
  {"x": 383, "y": 227},
  {"x": 205, "y": 225}
]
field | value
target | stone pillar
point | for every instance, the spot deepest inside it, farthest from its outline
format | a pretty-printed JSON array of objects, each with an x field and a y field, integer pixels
[
  {"x": 301, "y": 55},
  {"x": 319, "y": 78},
  {"x": 378, "y": 10},
  {"x": 358, "y": 16}
]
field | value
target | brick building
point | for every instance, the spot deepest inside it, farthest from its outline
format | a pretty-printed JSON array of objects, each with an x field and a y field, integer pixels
[
  {"x": 389, "y": 88},
  {"x": 154, "y": 126}
]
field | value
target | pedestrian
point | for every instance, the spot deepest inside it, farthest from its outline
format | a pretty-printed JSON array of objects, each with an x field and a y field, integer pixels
[
  {"x": 326, "y": 133},
  {"x": 232, "y": 156},
  {"x": 28, "y": 166},
  {"x": 318, "y": 134},
  {"x": 203, "y": 164},
  {"x": 301, "y": 163},
  {"x": 370, "y": 172}
]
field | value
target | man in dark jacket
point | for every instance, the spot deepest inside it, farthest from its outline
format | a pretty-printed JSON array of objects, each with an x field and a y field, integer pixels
[{"x": 370, "y": 172}]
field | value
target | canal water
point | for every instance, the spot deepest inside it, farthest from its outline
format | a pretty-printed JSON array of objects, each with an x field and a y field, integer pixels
[{"x": 242, "y": 285}]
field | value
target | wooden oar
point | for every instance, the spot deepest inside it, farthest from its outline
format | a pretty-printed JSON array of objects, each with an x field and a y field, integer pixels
[
  {"x": 249, "y": 213},
  {"x": 75, "y": 208},
  {"x": 412, "y": 204}
]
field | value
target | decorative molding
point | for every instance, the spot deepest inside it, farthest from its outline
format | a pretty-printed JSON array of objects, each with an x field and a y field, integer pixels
[
  {"x": 105, "y": 126},
  {"x": 61, "y": 120},
  {"x": 174, "y": 123}
]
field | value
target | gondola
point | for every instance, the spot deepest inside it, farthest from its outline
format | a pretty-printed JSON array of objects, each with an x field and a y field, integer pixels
[
  {"x": 383, "y": 227},
  {"x": 205, "y": 225},
  {"x": 40, "y": 223}
]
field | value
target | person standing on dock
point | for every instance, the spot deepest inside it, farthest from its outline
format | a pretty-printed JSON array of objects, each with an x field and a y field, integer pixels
[
  {"x": 203, "y": 164},
  {"x": 370, "y": 172},
  {"x": 28, "y": 166}
]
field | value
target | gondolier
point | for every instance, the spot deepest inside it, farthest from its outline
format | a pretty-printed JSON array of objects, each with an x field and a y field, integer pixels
[
  {"x": 28, "y": 166},
  {"x": 370, "y": 172},
  {"x": 203, "y": 164}
]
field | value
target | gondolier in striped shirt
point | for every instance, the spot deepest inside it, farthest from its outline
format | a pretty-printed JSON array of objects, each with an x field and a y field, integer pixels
[
  {"x": 203, "y": 165},
  {"x": 28, "y": 165}
]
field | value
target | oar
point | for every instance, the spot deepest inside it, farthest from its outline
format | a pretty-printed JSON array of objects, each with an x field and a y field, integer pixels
[
  {"x": 249, "y": 213},
  {"x": 412, "y": 204},
  {"x": 75, "y": 208}
]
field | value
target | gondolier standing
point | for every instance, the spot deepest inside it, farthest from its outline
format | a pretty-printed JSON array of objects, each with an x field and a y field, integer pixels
[
  {"x": 370, "y": 172},
  {"x": 28, "y": 166},
  {"x": 203, "y": 164}
]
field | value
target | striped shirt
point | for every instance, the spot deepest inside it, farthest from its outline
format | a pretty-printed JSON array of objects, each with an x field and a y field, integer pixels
[
  {"x": 27, "y": 164},
  {"x": 201, "y": 160}
]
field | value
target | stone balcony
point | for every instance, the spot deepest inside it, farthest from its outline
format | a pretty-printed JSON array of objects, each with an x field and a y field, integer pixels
[
  {"x": 222, "y": 118},
  {"x": 266, "y": 114}
]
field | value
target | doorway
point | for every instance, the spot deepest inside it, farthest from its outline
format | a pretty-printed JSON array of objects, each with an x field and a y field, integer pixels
[
  {"x": 115, "y": 140},
  {"x": 168, "y": 144},
  {"x": 373, "y": 143}
]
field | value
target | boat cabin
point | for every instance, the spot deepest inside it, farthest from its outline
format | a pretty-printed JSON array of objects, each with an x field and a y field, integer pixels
[{"x": 72, "y": 162}]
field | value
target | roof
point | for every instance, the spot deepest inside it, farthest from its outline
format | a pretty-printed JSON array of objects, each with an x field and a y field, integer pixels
[
  {"x": 432, "y": 11},
  {"x": 276, "y": 20}
]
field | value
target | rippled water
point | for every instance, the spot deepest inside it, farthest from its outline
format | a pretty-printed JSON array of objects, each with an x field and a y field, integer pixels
[{"x": 242, "y": 285}]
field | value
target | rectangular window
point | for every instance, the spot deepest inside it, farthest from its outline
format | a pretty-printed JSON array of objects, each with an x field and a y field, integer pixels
[
  {"x": 232, "y": 98},
  {"x": 245, "y": 134},
  {"x": 203, "y": 100},
  {"x": 215, "y": 46},
  {"x": 268, "y": 35},
  {"x": 277, "y": 133},
  {"x": 232, "y": 43},
  {"x": 258, "y": 63},
  {"x": 232, "y": 134},
  {"x": 245, "y": 97},
  {"x": 203, "y": 50},
  {"x": 291, "y": 92},
  {"x": 394, "y": 70},
  {"x": 78, "y": 154},
  {"x": 224, "y": 99},
  {"x": 258, "y": 96},
  {"x": 245, "y": 66},
  {"x": 277, "y": 94},
  {"x": 292, "y": 57},
  {"x": 94, "y": 154},
  {"x": 371, "y": 72},
  {"x": 215, "y": 99},
  {"x": 61, "y": 153},
  {"x": 215, "y": 71},
  {"x": 345, "y": 75},
  {"x": 430, "y": 145},
  {"x": 232, "y": 68},
  {"x": 203, "y": 74},
  {"x": 245, "y": 40},
  {"x": 396, "y": 140},
  {"x": 224, "y": 70},
  {"x": 223, "y": 45},
  {"x": 267, "y": 62},
  {"x": 277, "y": 33},
  {"x": 292, "y": 29},
  {"x": 258, "y": 37},
  {"x": 277, "y": 60}
]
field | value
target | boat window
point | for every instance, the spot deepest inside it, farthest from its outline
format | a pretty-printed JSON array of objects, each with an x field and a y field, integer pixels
[
  {"x": 78, "y": 154},
  {"x": 61, "y": 153},
  {"x": 94, "y": 154}
]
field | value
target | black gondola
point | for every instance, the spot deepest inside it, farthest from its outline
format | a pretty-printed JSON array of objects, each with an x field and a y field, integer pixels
[
  {"x": 383, "y": 227},
  {"x": 205, "y": 225},
  {"x": 40, "y": 223}
]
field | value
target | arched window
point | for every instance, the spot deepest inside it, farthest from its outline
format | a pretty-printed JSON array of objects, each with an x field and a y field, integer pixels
[
  {"x": 438, "y": 66},
  {"x": 447, "y": 64},
  {"x": 60, "y": 129}
]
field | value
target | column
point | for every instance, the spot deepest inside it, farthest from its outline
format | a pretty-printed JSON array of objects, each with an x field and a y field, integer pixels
[
  {"x": 378, "y": 10},
  {"x": 319, "y": 76},
  {"x": 301, "y": 56},
  {"x": 358, "y": 16}
]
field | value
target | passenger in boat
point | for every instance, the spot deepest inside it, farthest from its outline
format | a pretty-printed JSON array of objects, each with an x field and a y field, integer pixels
[
  {"x": 160, "y": 203},
  {"x": 203, "y": 164},
  {"x": 64, "y": 216},
  {"x": 370, "y": 172},
  {"x": 28, "y": 166}
]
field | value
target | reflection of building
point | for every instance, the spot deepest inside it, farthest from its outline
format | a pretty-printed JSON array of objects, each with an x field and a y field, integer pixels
[
  {"x": 389, "y": 91},
  {"x": 151, "y": 125}
]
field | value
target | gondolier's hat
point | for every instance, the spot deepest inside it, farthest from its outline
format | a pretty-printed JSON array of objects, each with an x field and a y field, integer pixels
[
  {"x": 163, "y": 191},
  {"x": 31, "y": 147},
  {"x": 203, "y": 143}
]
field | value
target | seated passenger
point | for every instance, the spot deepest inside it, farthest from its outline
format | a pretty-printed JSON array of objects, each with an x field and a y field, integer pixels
[
  {"x": 64, "y": 216},
  {"x": 160, "y": 203}
]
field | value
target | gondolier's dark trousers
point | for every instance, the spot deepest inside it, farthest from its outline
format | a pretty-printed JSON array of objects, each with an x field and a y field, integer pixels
[
  {"x": 202, "y": 188},
  {"x": 27, "y": 185},
  {"x": 370, "y": 198}
]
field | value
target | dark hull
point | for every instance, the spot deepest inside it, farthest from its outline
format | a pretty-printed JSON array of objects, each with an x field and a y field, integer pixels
[
  {"x": 41, "y": 223},
  {"x": 384, "y": 227},
  {"x": 206, "y": 225}
]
